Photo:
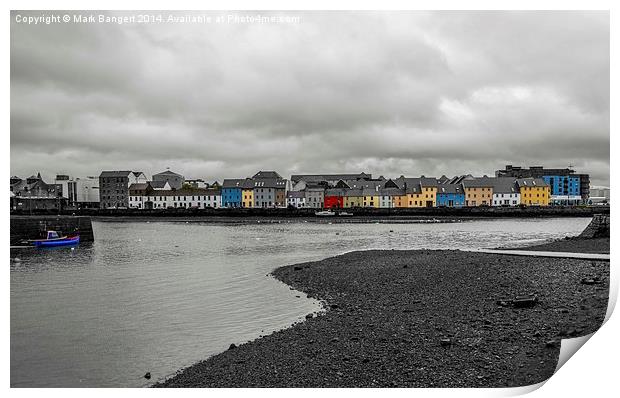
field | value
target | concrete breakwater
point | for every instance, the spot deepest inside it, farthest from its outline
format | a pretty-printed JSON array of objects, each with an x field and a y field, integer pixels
[
  {"x": 464, "y": 212},
  {"x": 35, "y": 227},
  {"x": 598, "y": 228}
]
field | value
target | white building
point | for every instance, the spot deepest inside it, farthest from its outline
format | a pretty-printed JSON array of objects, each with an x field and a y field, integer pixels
[
  {"x": 81, "y": 192},
  {"x": 158, "y": 199},
  {"x": 137, "y": 177},
  {"x": 385, "y": 201},
  {"x": 505, "y": 192},
  {"x": 175, "y": 180},
  {"x": 296, "y": 199}
]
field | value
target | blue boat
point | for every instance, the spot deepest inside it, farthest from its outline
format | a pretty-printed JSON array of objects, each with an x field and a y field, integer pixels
[{"x": 53, "y": 240}]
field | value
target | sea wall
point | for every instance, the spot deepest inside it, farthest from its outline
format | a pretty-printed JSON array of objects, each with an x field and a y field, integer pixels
[
  {"x": 494, "y": 212},
  {"x": 598, "y": 227},
  {"x": 36, "y": 227}
]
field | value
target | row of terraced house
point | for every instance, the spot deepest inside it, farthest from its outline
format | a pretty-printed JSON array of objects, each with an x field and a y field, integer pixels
[
  {"x": 268, "y": 189},
  {"x": 350, "y": 191},
  {"x": 513, "y": 186}
]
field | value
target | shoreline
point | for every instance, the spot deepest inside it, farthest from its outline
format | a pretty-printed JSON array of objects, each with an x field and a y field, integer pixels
[
  {"x": 419, "y": 318},
  {"x": 309, "y": 213}
]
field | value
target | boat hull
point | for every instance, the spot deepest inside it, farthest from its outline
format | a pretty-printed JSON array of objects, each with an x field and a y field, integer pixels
[{"x": 69, "y": 241}]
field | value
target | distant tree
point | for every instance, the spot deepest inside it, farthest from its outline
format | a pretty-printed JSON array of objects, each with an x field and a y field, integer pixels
[{"x": 188, "y": 187}]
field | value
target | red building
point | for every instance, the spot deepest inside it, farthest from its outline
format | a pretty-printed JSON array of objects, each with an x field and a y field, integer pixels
[{"x": 334, "y": 198}]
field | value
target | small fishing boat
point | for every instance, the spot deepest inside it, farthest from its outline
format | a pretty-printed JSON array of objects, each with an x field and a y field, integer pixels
[
  {"x": 344, "y": 213},
  {"x": 53, "y": 239},
  {"x": 324, "y": 213}
]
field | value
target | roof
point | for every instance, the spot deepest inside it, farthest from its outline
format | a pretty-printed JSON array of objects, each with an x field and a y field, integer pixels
[
  {"x": 186, "y": 192},
  {"x": 504, "y": 185},
  {"x": 267, "y": 174},
  {"x": 168, "y": 173},
  {"x": 392, "y": 191},
  {"x": 269, "y": 183},
  {"x": 354, "y": 192},
  {"x": 336, "y": 192},
  {"x": 233, "y": 183},
  {"x": 108, "y": 173},
  {"x": 531, "y": 182},
  {"x": 315, "y": 188},
  {"x": 390, "y": 184},
  {"x": 428, "y": 181},
  {"x": 328, "y": 177},
  {"x": 35, "y": 187},
  {"x": 157, "y": 184},
  {"x": 410, "y": 185},
  {"x": 478, "y": 182},
  {"x": 449, "y": 189},
  {"x": 363, "y": 183},
  {"x": 248, "y": 183},
  {"x": 296, "y": 194},
  {"x": 141, "y": 186},
  {"x": 368, "y": 191}
]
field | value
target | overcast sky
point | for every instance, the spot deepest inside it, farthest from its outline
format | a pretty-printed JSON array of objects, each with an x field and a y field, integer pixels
[{"x": 389, "y": 93}]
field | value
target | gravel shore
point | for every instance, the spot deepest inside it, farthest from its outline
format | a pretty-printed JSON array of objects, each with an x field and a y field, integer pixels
[
  {"x": 575, "y": 245},
  {"x": 421, "y": 318}
]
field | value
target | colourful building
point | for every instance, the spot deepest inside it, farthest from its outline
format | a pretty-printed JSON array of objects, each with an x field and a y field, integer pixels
[
  {"x": 419, "y": 192},
  {"x": 269, "y": 189},
  {"x": 478, "y": 191},
  {"x": 247, "y": 193},
  {"x": 353, "y": 198},
  {"x": 450, "y": 195},
  {"x": 534, "y": 191},
  {"x": 296, "y": 199},
  {"x": 506, "y": 192},
  {"x": 370, "y": 197},
  {"x": 231, "y": 192},
  {"x": 334, "y": 198},
  {"x": 390, "y": 197},
  {"x": 429, "y": 189},
  {"x": 565, "y": 189}
]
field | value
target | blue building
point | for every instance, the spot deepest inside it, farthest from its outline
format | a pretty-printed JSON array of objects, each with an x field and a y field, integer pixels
[
  {"x": 565, "y": 189},
  {"x": 450, "y": 195},
  {"x": 231, "y": 192}
]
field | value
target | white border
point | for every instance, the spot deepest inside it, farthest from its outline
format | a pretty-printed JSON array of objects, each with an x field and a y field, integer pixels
[{"x": 593, "y": 371}]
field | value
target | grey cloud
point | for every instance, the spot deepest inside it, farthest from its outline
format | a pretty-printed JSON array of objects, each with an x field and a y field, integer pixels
[{"x": 386, "y": 92}]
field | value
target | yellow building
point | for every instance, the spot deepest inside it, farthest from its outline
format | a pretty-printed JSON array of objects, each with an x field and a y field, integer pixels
[
  {"x": 247, "y": 198},
  {"x": 429, "y": 190},
  {"x": 400, "y": 201},
  {"x": 478, "y": 191},
  {"x": 415, "y": 197},
  {"x": 370, "y": 197},
  {"x": 534, "y": 191},
  {"x": 353, "y": 198},
  {"x": 247, "y": 193},
  {"x": 419, "y": 192}
]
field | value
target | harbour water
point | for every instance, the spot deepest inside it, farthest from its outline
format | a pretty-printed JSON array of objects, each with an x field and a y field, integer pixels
[{"x": 156, "y": 296}]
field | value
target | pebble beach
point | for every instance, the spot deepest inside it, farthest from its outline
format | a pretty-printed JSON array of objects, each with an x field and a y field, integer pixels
[{"x": 420, "y": 318}]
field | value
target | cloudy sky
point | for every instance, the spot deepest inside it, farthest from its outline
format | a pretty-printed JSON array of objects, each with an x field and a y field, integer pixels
[{"x": 390, "y": 93}]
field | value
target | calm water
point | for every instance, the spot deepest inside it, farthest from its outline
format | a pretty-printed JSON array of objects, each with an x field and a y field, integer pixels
[{"x": 159, "y": 296}]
